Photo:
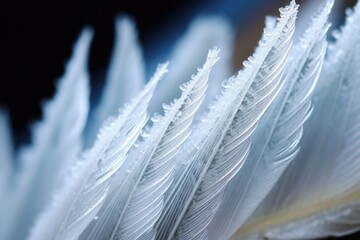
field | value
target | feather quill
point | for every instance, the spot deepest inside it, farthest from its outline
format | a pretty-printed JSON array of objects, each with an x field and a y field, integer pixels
[
  {"x": 56, "y": 144},
  {"x": 78, "y": 202},
  {"x": 135, "y": 205},
  {"x": 224, "y": 141},
  {"x": 276, "y": 141}
]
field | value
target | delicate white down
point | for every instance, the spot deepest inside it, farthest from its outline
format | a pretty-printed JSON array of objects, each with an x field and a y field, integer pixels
[
  {"x": 276, "y": 140},
  {"x": 78, "y": 202},
  {"x": 215, "y": 127}
]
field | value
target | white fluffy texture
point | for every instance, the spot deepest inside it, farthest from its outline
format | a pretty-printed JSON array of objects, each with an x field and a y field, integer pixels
[
  {"x": 56, "y": 142},
  {"x": 124, "y": 79},
  {"x": 83, "y": 195},
  {"x": 158, "y": 174},
  {"x": 203, "y": 34},
  {"x": 326, "y": 171},
  {"x": 276, "y": 141},
  {"x": 139, "y": 191},
  {"x": 275, "y": 156},
  {"x": 245, "y": 98}
]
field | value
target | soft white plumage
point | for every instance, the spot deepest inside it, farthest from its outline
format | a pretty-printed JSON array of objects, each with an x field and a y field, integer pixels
[
  {"x": 276, "y": 141},
  {"x": 276, "y": 155},
  {"x": 218, "y": 151},
  {"x": 80, "y": 199}
]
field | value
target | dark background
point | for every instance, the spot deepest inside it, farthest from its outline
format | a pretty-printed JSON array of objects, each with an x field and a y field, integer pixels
[{"x": 36, "y": 39}]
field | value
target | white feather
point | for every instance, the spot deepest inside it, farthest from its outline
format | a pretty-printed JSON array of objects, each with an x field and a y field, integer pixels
[
  {"x": 78, "y": 202},
  {"x": 56, "y": 144},
  {"x": 137, "y": 200},
  {"x": 223, "y": 140},
  {"x": 276, "y": 140},
  {"x": 323, "y": 178}
]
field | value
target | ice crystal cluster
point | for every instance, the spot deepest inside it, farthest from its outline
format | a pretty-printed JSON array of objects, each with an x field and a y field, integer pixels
[{"x": 272, "y": 152}]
